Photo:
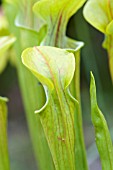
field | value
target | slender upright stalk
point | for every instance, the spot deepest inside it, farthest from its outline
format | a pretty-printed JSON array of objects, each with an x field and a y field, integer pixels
[
  {"x": 4, "y": 157},
  {"x": 80, "y": 154}
]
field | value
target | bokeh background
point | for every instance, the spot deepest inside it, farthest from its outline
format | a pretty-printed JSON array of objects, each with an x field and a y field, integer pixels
[{"x": 93, "y": 58}]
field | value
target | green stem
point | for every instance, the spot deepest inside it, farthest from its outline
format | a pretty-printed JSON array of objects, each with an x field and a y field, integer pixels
[
  {"x": 62, "y": 131},
  {"x": 80, "y": 152},
  {"x": 4, "y": 158},
  {"x": 110, "y": 54}
]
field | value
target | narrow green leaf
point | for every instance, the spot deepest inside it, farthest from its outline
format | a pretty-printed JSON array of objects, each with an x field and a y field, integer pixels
[
  {"x": 55, "y": 68},
  {"x": 5, "y": 44},
  {"x": 102, "y": 135},
  {"x": 4, "y": 159}
]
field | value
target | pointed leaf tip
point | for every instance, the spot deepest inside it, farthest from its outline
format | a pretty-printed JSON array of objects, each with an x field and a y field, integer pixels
[{"x": 93, "y": 90}]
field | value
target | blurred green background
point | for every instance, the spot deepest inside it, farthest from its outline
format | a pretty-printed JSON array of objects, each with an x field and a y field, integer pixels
[{"x": 93, "y": 58}]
